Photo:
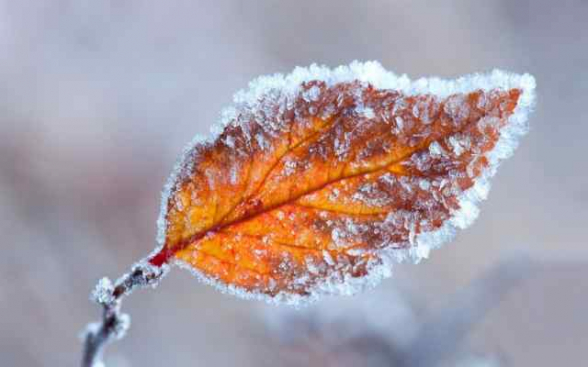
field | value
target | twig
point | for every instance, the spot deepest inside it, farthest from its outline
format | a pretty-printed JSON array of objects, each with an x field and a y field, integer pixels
[{"x": 115, "y": 324}]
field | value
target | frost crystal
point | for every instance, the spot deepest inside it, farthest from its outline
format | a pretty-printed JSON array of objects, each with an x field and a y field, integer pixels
[
  {"x": 401, "y": 216},
  {"x": 311, "y": 94},
  {"x": 103, "y": 292}
]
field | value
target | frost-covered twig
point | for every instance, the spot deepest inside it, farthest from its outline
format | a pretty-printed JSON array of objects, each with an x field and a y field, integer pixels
[{"x": 114, "y": 324}]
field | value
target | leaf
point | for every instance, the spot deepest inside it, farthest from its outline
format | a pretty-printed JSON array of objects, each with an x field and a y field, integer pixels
[{"x": 316, "y": 182}]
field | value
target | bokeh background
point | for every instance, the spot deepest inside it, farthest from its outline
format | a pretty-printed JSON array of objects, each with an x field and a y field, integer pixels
[{"x": 97, "y": 99}]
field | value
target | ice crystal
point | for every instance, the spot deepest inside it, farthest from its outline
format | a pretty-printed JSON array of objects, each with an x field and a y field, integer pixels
[{"x": 103, "y": 292}]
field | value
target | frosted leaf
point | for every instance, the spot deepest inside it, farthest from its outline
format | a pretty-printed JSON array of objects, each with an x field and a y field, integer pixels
[{"x": 318, "y": 181}]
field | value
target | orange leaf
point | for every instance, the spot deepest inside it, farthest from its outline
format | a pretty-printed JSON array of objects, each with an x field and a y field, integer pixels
[{"x": 318, "y": 180}]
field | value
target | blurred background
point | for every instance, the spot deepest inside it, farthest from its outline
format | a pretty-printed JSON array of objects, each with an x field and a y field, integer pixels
[{"x": 98, "y": 98}]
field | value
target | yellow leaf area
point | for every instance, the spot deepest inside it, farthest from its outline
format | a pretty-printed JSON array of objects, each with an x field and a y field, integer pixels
[{"x": 288, "y": 197}]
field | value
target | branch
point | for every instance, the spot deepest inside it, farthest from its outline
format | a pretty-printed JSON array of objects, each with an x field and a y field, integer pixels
[{"x": 115, "y": 324}]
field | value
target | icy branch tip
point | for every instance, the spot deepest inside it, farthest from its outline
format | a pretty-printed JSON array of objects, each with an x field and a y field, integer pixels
[{"x": 103, "y": 292}]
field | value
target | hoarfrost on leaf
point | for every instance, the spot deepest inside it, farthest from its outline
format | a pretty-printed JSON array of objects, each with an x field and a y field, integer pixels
[
  {"x": 336, "y": 174},
  {"x": 311, "y": 94}
]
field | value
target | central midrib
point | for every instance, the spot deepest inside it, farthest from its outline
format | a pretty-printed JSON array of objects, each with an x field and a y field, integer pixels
[{"x": 186, "y": 242}]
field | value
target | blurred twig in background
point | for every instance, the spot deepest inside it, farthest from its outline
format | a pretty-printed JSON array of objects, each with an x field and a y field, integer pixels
[
  {"x": 441, "y": 335},
  {"x": 356, "y": 337}
]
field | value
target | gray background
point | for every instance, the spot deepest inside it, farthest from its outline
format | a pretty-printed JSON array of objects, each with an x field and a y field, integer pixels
[{"x": 97, "y": 98}]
